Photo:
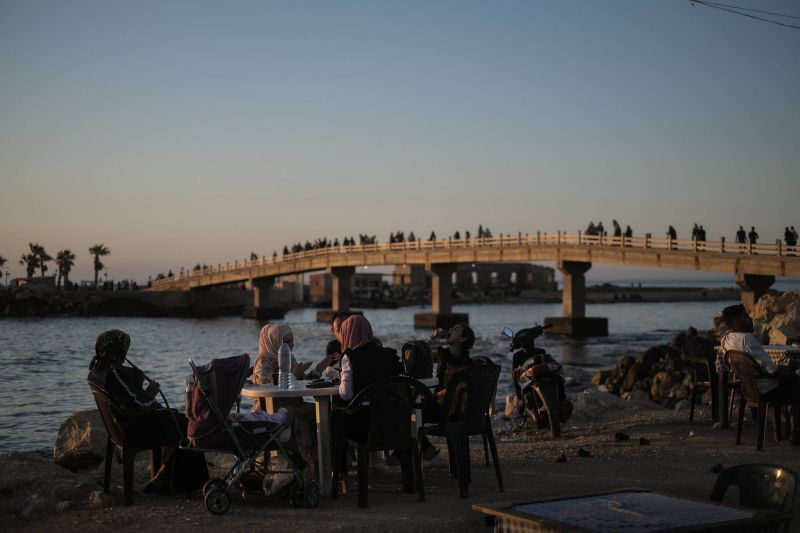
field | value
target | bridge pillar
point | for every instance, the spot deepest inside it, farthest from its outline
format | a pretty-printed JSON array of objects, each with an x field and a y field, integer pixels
[
  {"x": 441, "y": 300},
  {"x": 573, "y": 295},
  {"x": 261, "y": 308},
  {"x": 753, "y": 286},
  {"x": 341, "y": 281}
]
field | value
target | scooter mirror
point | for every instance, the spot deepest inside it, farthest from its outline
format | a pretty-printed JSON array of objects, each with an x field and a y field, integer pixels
[{"x": 508, "y": 332}]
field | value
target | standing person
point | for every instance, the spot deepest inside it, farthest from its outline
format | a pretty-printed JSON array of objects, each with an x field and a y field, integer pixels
[
  {"x": 752, "y": 235},
  {"x": 788, "y": 238},
  {"x": 695, "y": 231},
  {"x": 433, "y": 236},
  {"x": 741, "y": 236},
  {"x": 617, "y": 228},
  {"x": 590, "y": 229},
  {"x": 628, "y": 232},
  {"x": 456, "y": 236},
  {"x": 775, "y": 383},
  {"x": 601, "y": 231}
]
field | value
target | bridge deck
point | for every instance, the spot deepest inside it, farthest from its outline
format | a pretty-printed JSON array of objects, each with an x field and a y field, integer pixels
[{"x": 775, "y": 259}]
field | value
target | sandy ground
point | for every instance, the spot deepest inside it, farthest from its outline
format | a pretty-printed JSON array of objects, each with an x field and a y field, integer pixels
[{"x": 678, "y": 460}]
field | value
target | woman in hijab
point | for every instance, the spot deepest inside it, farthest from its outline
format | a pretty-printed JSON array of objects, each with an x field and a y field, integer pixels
[
  {"x": 265, "y": 371},
  {"x": 124, "y": 385},
  {"x": 364, "y": 360}
]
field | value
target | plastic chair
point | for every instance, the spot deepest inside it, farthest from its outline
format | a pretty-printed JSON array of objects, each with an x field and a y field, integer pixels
[
  {"x": 386, "y": 408},
  {"x": 760, "y": 486},
  {"x": 465, "y": 412},
  {"x": 701, "y": 368},
  {"x": 121, "y": 434},
  {"x": 745, "y": 369},
  {"x": 486, "y": 360}
]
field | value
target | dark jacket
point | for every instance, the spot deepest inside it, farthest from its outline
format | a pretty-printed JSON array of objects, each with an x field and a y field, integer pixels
[{"x": 371, "y": 363}]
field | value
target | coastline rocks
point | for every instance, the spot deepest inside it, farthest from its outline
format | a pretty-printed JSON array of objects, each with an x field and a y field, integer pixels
[
  {"x": 81, "y": 441},
  {"x": 660, "y": 374},
  {"x": 777, "y": 317},
  {"x": 32, "y": 486}
]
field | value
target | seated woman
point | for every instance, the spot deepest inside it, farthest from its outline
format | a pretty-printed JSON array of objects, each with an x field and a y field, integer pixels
[
  {"x": 180, "y": 470},
  {"x": 364, "y": 361},
  {"x": 265, "y": 371}
]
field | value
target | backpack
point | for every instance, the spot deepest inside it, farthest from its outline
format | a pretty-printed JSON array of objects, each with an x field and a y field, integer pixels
[{"x": 417, "y": 360}]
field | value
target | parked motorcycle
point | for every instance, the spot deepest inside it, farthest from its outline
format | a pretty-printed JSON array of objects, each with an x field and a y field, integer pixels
[{"x": 538, "y": 382}]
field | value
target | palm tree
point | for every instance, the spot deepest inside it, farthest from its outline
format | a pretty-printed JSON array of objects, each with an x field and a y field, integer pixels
[
  {"x": 3, "y": 261},
  {"x": 41, "y": 254},
  {"x": 98, "y": 250},
  {"x": 65, "y": 261},
  {"x": 31, "y": 262}
]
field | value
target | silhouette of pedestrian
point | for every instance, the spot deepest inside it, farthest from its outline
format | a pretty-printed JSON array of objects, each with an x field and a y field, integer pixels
[
  {"x": 457, "y": 236},
  {"x": 591, "y": 229},
  {"x": 695, "y": 231},
  {"x": 432, "y": 237},
  {"x": 752, "y": 235},
  {"x": 617, "y": 228},
  {"x": 672, "y": 234},
  {"x": 600, "y": 229},
  {"x": 741, "y": 236},
  {"x": 628, "y": 232}
]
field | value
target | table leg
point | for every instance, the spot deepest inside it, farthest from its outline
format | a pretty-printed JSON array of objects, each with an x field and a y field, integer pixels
[{"x": 323, "y": 404}]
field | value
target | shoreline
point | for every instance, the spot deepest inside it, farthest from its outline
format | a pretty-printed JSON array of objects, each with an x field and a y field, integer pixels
[{"x": 37, "y": 302}]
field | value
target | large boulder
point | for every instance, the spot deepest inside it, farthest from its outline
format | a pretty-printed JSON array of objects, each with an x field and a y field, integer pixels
[{"x": 81, "y": 441}]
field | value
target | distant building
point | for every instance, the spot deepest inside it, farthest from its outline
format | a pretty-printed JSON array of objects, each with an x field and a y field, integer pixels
[
  {"x": 363, "y": 287},
  {"x": 485, "y": 278}
]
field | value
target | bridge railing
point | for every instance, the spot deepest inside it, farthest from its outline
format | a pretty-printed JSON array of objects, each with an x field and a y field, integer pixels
[{"x": 527, "y": 239}]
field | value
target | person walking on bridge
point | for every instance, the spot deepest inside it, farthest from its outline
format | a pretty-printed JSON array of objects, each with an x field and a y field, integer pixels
[
  {"x": 617, "y": 228},
  {"x": 752, "y": 235},
  {"x": 741, "y": 236}
]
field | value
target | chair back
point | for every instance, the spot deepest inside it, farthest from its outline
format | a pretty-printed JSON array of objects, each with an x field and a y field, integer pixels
[
  {"x": 390, "y": 403},
  {"x": 745, "y": 369},
  {"x": 761, "y": 486},
  {"x": 469, "y": 396},
  {"x": 110, "y": 419}
]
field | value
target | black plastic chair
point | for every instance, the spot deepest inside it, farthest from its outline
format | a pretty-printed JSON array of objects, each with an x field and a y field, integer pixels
[
  {"x": 122, "y": 433},
  {"x": 746, "y": 371},
  {"x": 385, "y": 408},
  {"x": 760, "y": 486},
  {"x": 486, "y": 360},
  {"x": 465, "y": 412}
]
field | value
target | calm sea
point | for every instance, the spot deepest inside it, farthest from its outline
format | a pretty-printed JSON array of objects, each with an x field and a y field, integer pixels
[{"x": 44, "y": 360}]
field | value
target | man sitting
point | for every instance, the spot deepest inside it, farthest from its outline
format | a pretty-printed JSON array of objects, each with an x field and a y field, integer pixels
[{"x": 775, "y": 383}]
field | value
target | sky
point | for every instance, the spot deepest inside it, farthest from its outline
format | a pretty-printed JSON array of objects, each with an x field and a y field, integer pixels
[{"x": 187, "y": 132}]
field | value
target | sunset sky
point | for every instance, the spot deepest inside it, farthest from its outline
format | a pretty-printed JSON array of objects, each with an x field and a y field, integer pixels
[{"x": 192, "y": 131}]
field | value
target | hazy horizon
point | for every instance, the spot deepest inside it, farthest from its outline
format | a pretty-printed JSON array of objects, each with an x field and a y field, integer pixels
[{"x": 198, "y": 132}]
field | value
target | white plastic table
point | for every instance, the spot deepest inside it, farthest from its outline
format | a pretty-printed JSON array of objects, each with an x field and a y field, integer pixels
[{"x": 322, "y": 400}]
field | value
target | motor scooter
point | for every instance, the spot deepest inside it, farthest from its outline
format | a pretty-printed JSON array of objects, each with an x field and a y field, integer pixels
[{"x": 538, "y": 382}]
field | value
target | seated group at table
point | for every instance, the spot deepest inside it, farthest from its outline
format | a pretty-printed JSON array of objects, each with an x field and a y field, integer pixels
[
  {"x": 362, "y": 360},
  {"x": 775, "y": 383}
]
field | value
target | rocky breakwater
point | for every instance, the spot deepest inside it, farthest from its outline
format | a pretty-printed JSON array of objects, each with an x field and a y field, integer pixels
[
  {"x": 660, "y": 374},
  {"x": 777, "y": 318},
  {"x": 32, "y": 300}
]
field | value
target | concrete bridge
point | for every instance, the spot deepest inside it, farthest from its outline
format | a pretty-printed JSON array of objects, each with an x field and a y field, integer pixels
[{"x": 753, "y": 267}]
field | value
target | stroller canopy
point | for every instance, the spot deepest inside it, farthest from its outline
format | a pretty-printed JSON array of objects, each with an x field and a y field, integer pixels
[{"x": 219, "y": 381}]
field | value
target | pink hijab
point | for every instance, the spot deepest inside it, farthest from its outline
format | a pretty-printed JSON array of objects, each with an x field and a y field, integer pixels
[
  {"x": 269, "y": 341},
  {"x": 356, "y": 331}
]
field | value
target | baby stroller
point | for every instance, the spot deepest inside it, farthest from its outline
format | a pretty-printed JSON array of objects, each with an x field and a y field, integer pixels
[{"x": 214, "y": 390}]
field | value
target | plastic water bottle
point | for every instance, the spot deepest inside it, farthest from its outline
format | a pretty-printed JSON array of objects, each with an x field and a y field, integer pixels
[{"x": 285, "y": 367}]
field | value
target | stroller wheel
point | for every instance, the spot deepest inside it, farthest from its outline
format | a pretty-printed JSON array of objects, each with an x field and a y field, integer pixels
[
  {"x": 213, "y": 483},
  {"x": 310, "y": 495},
  {"x": 217, "y": 501},
  {"x": 297, "y": 494}
]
